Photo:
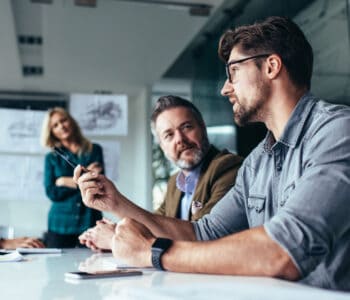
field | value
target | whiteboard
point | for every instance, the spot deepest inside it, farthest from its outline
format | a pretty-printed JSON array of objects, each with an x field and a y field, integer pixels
[{"x": 100, "y": 114}]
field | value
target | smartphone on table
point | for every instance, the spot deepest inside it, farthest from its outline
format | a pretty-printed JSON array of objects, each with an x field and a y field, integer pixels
[{"x": 102, "y": 274}]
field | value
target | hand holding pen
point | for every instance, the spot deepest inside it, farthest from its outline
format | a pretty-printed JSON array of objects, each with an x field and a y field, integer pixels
[{"x": 97, "y": 190}]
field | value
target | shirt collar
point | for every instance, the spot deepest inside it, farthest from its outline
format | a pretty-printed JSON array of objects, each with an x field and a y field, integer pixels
[
  {"x": 295, "y": 124},
  {"x": 187, "y": 184}
]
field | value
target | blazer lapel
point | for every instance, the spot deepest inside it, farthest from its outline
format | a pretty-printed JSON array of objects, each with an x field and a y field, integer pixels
[{"x": 173, "y": 206}]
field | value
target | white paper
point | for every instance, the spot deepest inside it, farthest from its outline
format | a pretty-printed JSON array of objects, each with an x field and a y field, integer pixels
[
  {"x": 20, "y": 130},
  {"x": 11, "y": 256},
  {"x": 100, "y": 114}
]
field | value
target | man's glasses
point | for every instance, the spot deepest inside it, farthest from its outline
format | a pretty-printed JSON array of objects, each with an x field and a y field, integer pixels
[{"x": 230, "y": 73}]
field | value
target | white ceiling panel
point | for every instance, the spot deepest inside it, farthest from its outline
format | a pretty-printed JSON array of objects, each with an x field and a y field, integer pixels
[{"x": 117, "y": 46}]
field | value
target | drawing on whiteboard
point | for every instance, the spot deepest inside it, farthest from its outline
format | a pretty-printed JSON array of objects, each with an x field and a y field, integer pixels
[
  {"x": 23, "y": 129},
  {"x": 101, "y": 115}
]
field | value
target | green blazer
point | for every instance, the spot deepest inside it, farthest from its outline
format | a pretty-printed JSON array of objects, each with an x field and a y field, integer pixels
[{"x": 217, "y": 176}]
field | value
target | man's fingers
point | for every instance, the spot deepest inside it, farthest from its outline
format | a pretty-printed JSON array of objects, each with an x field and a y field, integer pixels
[
  {"x": 77, "y": 173},
  {"x": 79, "y": 176},
  {"x": 108, "y": 221}
]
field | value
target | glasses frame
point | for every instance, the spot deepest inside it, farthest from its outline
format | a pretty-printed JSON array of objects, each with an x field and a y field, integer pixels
[{"x": 233, "y": 62}]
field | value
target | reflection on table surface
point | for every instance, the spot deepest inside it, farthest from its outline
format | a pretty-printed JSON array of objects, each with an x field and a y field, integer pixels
[{"x": 41, "y": 276}]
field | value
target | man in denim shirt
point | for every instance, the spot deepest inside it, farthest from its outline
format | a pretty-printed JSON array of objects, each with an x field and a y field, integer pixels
[{"x": 288, "y": 214}]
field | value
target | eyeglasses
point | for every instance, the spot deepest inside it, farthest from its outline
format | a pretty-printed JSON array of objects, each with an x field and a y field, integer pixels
[{"x": 231, "y": 73}]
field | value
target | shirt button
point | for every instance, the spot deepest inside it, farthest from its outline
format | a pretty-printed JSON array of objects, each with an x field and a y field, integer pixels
[{"x": 78, "y": 204}]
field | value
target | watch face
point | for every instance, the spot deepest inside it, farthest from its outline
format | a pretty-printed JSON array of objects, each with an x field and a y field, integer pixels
[{"x": 161, "y": 244}]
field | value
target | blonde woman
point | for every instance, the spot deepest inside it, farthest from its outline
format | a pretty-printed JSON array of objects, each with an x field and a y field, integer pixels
[{"x": 68, "y": 217}]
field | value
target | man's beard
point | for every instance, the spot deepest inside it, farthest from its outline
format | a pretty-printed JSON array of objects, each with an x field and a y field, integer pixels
[
  {"x": 246, "y": 115},
  {"x": 251, "y": 114},
  {"x": 198, "y": 155}
]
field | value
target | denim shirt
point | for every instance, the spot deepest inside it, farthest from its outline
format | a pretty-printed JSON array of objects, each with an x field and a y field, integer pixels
[{"x": 298, "y": 188}]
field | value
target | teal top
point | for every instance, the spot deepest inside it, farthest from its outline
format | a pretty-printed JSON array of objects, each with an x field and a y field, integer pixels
[{"x": 68, "y": 215}]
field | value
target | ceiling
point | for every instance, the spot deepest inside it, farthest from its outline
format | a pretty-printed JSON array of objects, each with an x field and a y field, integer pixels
[
  {"x": 116, "y": 46},
  {"x": 122, "y": 46}
]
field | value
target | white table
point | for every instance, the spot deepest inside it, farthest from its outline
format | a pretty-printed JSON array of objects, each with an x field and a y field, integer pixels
[{"x": 41, "y": 276}]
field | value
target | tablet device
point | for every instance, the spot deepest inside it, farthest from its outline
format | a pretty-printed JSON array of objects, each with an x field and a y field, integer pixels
[{"x": 102, "y": 274}]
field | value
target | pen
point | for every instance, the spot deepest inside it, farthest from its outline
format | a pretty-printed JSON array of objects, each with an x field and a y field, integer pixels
[{"x": 64, "y": 156}]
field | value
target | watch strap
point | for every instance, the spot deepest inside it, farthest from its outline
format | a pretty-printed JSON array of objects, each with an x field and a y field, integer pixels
[{"x": 159, "y": 247}]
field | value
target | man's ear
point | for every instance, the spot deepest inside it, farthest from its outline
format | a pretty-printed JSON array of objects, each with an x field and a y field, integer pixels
[{"x": 273, "y": 66}]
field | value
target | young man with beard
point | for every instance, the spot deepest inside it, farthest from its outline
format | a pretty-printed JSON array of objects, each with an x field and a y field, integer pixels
[
  {"x": 288, "y": 214},
  {"x": 205, "y": 173}
]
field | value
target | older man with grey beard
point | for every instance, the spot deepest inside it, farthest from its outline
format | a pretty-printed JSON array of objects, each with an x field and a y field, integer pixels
[{"x": 205, "y": 172}]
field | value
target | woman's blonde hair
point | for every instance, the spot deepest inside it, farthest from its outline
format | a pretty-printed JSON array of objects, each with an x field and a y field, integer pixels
[{"x": 49, "y": 140}]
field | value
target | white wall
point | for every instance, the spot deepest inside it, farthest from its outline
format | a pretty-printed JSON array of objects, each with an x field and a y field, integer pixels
[
  {"x": 29, "y": 214},
  {"x": 135, "y": 165}
]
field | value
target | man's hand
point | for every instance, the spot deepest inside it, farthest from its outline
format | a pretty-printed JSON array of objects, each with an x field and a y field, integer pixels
[
  {"x": 97, "y": 191},
  {"x": 132, "y": 243},
  {"x": 95, "y": 167},
  {"x": 23, "y": 242},
  {"x": 99, "y": 237}
]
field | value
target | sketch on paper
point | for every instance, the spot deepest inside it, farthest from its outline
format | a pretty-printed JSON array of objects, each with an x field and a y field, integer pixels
[
  {"x": 100, "y": 114},
  {"x": 20, "y": 130}
]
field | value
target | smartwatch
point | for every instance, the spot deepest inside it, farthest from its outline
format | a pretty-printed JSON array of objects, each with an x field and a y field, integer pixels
[{"x": 159, "y": 247}]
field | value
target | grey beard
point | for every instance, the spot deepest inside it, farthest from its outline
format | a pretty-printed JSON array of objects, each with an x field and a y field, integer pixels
[
  {"x": 182, "y": 164},
  {"x": 198, "y": 157}
]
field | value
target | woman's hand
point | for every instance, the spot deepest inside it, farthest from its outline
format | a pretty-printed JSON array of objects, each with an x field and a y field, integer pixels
[
  {"x": 66, "y": 181},
  {"x": 22, "y": 242}
]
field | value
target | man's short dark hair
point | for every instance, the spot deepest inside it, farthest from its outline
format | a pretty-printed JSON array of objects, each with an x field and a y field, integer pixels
[
  {"x": 168, "y": 102},
  {"x": 278, "y": 35}
]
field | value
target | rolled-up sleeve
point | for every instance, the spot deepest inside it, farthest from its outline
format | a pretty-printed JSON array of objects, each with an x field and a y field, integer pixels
[{"x": 316, "y": 214}]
